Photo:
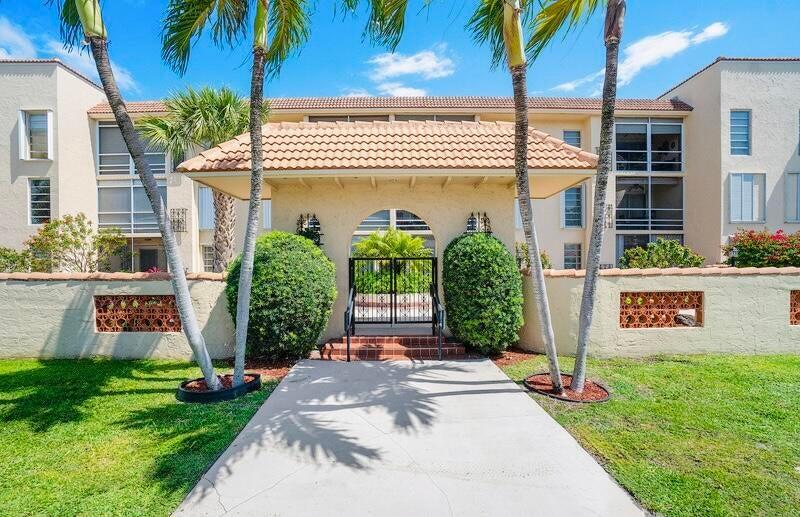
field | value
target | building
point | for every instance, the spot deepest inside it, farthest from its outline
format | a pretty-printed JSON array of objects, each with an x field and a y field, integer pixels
[{"x": 717, "y": 152}]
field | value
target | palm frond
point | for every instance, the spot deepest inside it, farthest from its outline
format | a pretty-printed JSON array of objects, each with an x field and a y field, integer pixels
[
  {"x": 70, "y": 25},
  {"x": 185, "y": 20},
  {"x": 289, "y": 28},
  {"x": 486, "y": 25},
  {"x": 557, "y": 17}
]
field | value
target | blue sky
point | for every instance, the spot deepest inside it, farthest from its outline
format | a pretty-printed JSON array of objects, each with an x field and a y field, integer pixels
[{"x": 663, "y": 43}]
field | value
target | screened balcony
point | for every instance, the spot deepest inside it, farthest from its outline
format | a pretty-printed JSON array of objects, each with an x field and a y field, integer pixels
[
  {"x": 649, "y": 204},
  {"x": 649, "y": 145}
]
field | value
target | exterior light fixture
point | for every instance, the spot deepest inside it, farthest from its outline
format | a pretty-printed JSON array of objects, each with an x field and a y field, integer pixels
[{"x": 472, "y": 223}]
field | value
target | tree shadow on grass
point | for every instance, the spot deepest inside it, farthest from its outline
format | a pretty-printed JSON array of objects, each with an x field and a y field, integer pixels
[{"x": 56, "y": 391}]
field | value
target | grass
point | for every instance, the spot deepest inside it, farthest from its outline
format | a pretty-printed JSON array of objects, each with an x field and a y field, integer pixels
[
  {"x": 98, "y": 437},
  {"x": 693, "y": 435}
]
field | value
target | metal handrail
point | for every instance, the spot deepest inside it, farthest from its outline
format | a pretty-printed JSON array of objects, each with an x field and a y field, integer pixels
[
  {"x": 439, "y": 317},
  {"x": 349, "y": 320}
]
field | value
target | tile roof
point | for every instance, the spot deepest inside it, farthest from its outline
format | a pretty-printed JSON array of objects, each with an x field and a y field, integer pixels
[
  {"x": 723, "y": 58},
  {"x": 390, "y": 145},
  {"x": 410, "y": 103},
  {"x": 54, "y": 61}
]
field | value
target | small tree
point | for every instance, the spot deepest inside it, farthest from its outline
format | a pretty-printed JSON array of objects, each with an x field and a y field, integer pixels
[
  {"x": 390, "y": 244},
  {"x": 72, "y": 244},
  {"x": 661, "y": 253}
]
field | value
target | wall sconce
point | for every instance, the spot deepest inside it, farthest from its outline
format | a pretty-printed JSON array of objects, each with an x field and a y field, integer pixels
[
  {"x": 308, "y": 226},
  {"x": 479, "y": 223}
]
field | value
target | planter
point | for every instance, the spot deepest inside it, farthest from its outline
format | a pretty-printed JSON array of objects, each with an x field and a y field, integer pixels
[
  {"x": 593, "y": 391},
  {"x": 185, "y": 394}
]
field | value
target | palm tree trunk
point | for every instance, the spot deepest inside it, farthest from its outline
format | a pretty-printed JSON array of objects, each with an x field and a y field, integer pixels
[
  {"x": 613, "y": 33},
  {"x": 519, "y": 80},
  {"x": 179, "y": 285},
  {"x": 254, "y": 209},
  {"x": 224, "y": 223}
]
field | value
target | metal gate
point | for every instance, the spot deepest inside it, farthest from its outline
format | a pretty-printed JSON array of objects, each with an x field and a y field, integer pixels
[{"x": 393, "y": 290}]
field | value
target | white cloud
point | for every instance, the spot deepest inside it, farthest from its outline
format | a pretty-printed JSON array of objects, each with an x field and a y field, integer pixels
[
  {"x": 713, "y": 31},
  {"x": 428, "y": 64},
  {"x": 83, "y": 63},
  {"x": 573, "y": 85},
  {"x": 355, "y": 92},
  {"x": 14, "y": 43},
  {"x": 648, "y": 52},
  {"x": 400, "y": 90}
]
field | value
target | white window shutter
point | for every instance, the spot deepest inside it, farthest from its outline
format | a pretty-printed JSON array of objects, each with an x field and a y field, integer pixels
[
  {"x": 22, "y": 135},
  {"x": 267, "y": 208},
  {"x": 561, "y": 209},
  {"x": 736, "y": 197},
  {"x": 50, "y": 133}
]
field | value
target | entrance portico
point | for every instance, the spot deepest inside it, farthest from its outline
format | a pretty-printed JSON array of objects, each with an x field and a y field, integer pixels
[{"x": 343, "y": 172}]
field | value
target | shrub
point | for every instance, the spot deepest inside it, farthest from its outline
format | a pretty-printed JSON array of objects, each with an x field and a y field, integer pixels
[
  {"x": 763, "y": 249},
  {"x": 661, "y": 253},
  {"x": 13, "y": 261},
  {"x": 524, "y": 258},
  {"x": 294, "y": 287},
  {"x": 483, "y": 293}
]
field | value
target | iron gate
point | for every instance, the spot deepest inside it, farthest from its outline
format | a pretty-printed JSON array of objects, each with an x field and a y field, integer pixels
[{"x": 393, "y": 290}]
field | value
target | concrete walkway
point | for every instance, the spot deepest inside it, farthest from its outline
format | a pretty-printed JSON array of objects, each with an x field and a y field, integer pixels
[{"x": 407, "y": 439}]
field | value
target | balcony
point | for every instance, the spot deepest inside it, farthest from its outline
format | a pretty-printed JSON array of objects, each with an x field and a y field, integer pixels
[
  {"x": 649, "y": 145},
  {"x": 649, "y": 204}
]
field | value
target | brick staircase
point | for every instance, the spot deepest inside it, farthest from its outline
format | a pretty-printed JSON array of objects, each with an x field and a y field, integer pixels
[{"x": 381, "y": 348}]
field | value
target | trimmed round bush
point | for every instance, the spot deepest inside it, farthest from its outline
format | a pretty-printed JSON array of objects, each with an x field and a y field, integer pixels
[
  {"x": 483, "y": 293},
  {"x": 294, "y": 287}
]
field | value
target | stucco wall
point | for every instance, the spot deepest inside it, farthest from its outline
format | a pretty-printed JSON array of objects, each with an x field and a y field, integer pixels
[
  {"x": 341, "y": 210},
  {"x": 55, "y": 318},
  {"x": 746, "y": 311}
]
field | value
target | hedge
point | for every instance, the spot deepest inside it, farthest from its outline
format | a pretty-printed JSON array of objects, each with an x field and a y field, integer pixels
[
  {"x": 483, "y": 293},
  {"x": 294, "y": 287}
]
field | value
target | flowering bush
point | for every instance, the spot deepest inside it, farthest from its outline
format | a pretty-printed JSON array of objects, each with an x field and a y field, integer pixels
[
  {"x": 662, "y": 253},
  {"x": 763, "y": 249}
]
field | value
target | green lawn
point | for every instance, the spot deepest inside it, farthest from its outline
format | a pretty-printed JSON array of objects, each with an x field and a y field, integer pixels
[
  {"x": 106, "y": 437},
  {"x": 699, "y": 435}
]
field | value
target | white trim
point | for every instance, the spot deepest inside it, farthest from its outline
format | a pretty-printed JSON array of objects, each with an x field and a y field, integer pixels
[
  {"x": 792, "y": 197},
  {"x": 50, "y": 133},
  {"x": 563, "y": 207},
  {"x": 22, "y": 135}
]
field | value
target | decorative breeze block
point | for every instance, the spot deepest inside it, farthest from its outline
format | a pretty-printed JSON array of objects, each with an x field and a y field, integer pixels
[
  {"x": 794, "y": 308},
  {"x": 659, "y": 309},
  {"x": 136, "y": 313}
]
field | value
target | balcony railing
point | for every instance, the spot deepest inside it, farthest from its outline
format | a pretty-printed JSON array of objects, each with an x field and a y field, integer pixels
[{"x": 650, "y": 219}]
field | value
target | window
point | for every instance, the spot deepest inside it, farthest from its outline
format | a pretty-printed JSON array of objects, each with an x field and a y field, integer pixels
[
  {"x": 208, "y": 258},
  {"x": 740, "y": 132},
  {"x": 348, "y": 118},
  {"x": 572, "y": 137},
  {"x": 433, "y": 116},
  {"x": 404, "y": 220},
  {"x": 572, "y": 208},
  {"x": 266, "y": 206},
  {"x": 123, "y": 204},
  {"x": 649, "y": 203},
  {"x": 39, "y": 199},
  {"x": 35, "y": 137},
  {"x": 517, "y": 215},
  {"x": 572, "y": 256},
  {"x": 747, "y": 198},
  {"x": 205, "y": 207},
  {"x": 792, "y": 197},
  {"x": 649, "y": 145},
  {"x": 113, "y": 157}
]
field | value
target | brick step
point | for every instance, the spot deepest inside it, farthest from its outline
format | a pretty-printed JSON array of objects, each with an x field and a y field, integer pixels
[
  {"x": 389, "y": 348},
  {"x": 396, "y": 340}
]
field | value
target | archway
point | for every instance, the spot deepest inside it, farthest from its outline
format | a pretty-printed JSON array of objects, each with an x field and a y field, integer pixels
[{"x": 395, "y": 218}]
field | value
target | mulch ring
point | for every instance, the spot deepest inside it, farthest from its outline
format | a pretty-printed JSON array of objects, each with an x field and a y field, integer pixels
[
  {"x": 592, "y": 390},
  {"x": 268, "y": 369},
  {"x": 513, "y": 356},
  {"x": 226, "y": 380}
]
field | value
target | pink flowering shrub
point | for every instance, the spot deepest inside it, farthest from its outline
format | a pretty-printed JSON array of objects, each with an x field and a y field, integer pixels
[{"x": 764, "y": 249}]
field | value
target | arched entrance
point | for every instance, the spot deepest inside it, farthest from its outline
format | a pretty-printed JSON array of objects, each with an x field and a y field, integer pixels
[{"x": 393, "y": 277}]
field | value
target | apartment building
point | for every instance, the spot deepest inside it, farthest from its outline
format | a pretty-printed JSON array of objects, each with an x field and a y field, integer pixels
[{"x": 717, "y": 152}]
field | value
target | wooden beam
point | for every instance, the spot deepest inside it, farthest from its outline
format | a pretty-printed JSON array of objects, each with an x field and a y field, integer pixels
[
  {"x": 339, "y": 183},
  {"x": 373, "y": 182},
  {"x": 412, "y": 182},
  {"x": 304, "y": 183},
  {"x": 271, "y": 185},
  {"x": 447, "y": 182},
  {"x": 511, "y": 185},
  {"x": 481, "y": 182}
]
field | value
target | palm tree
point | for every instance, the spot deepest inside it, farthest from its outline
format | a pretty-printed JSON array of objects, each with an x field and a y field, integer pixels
[
  {"x": 497, "y": 23},
  {"x": 554, "y": 16},
  {"x": 82, "y": 20},
  {"x": 286, "y": 24},
  {"x": 203, "y": 118}
]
